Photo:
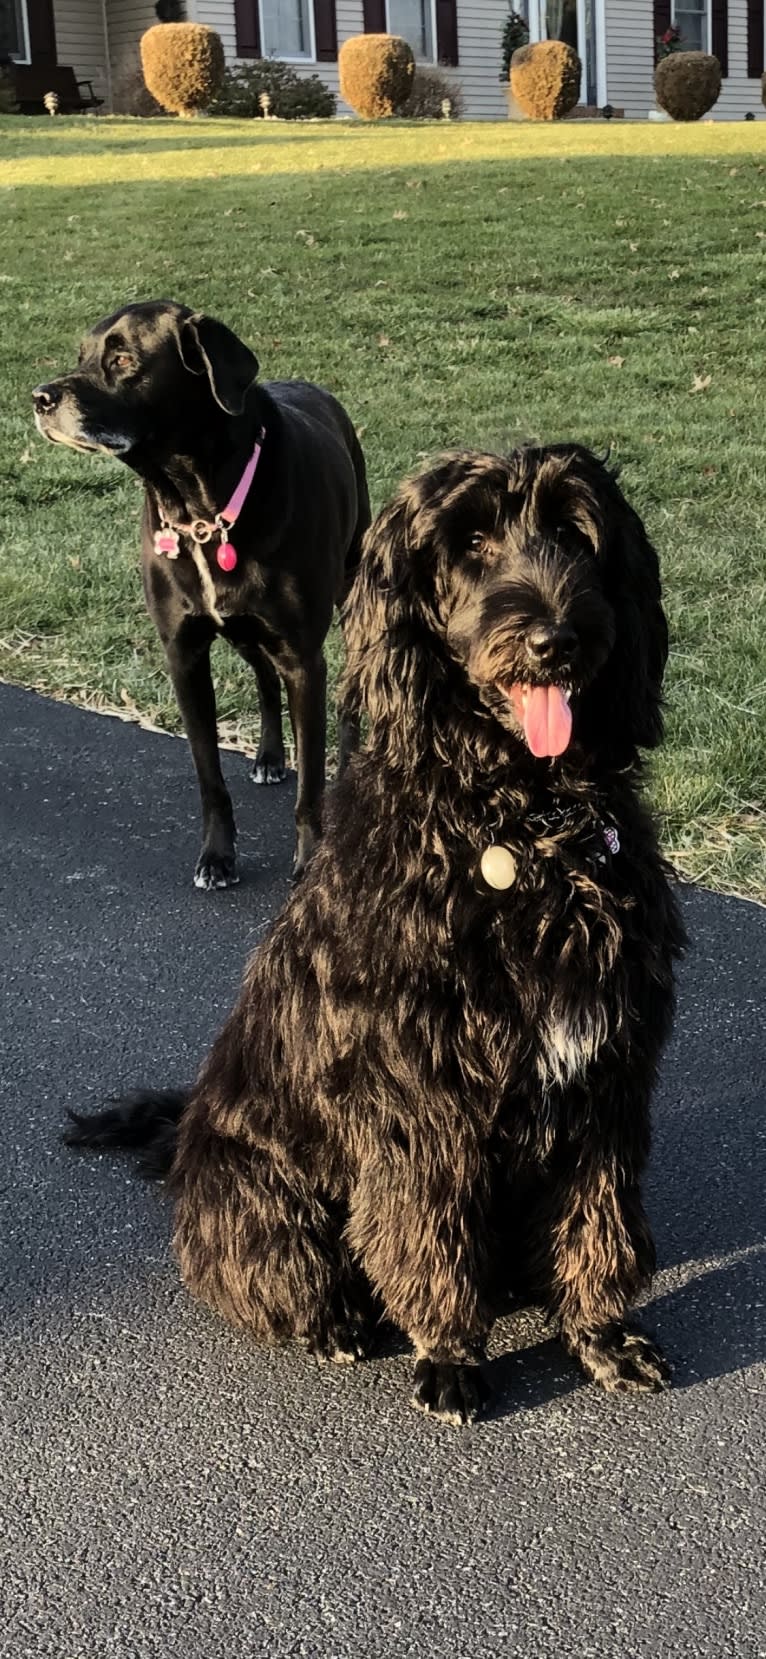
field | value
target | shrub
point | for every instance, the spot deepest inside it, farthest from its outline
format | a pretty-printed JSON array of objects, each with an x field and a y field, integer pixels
[
  {"x": 545, "y": 79},
  {"x": 667, "y": 43},
  {"x": 293, "y": 97},
  {"x": 375, "y": 74},
  {"x": 183, "y": 65},
  {"x": 687, "y": 84},
  {"x": 515, "y": 35},
  {"x": 428, "y": 90}
]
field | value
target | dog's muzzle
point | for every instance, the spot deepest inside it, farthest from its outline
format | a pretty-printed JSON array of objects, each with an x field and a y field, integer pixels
[
  {"x": 46, "y": 398},
  {"x": 58, "y": 418}
]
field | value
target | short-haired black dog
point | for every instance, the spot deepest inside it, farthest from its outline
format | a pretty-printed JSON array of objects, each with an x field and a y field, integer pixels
[
  {"x": 256, "y": 504},
  {"x": 436, "y": 1082}
]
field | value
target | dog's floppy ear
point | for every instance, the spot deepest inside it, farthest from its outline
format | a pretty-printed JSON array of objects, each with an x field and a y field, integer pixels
[
  {"x": 392, "y": 666},
  {"x": 630, "y": 689},
  {"x": 209, "y": 347}
]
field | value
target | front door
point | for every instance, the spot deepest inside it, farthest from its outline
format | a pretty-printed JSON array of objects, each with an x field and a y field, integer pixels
[{"x": 580, "y": 23}]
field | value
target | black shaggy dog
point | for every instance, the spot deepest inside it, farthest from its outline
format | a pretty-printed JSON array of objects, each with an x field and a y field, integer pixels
[
  {"x": 255, "y": 507},
  {"x": 435, "y": 1085}
]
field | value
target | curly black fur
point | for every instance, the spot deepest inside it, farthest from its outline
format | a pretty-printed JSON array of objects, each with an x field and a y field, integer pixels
[{"x": 429, "y": 1090}]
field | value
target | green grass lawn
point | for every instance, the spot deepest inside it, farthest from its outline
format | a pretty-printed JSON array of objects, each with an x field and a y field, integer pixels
[{"x": 466, "y": 283}]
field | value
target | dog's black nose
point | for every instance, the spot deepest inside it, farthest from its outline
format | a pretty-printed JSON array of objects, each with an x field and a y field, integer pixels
[
  {"x": 45, "y": 398},
  {"x": 549, "y": 643}
]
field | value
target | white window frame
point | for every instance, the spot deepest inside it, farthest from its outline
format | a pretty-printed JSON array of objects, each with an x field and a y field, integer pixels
[
  {"x": 435, "y": 58},
  {"x": 16, "y": 57},
  {"x": 708, "y": 20},
  {"x": 279, "y": 56}
]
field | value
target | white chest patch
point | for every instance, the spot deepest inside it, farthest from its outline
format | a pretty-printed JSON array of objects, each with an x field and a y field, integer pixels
[
  {"x": 207, "y": 584},
  {"x": 569, "y": 1043}
]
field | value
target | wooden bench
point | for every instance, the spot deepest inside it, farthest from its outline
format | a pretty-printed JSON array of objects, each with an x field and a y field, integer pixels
[{"x": 31, "y": 81}]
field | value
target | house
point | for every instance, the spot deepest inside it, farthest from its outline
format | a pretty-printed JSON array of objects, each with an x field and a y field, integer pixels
[{"x": 615, "y": 40}]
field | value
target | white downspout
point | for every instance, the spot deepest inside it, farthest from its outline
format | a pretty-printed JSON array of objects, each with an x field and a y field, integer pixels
[{"x": 108, "y": 56}]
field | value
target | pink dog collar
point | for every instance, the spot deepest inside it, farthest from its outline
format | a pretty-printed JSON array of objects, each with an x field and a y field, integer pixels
[{"x": 167, "y": 538}]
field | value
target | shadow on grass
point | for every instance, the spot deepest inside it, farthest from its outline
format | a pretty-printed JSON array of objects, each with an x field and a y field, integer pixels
[
  {"x": 143, "y": 144},
  {"x": 351, "y": 150},
  {"x": 23, "y": 493}
]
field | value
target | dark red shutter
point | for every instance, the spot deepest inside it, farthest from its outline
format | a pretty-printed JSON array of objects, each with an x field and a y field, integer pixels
[
  {"x": 248, "y": 28},
  {"x": 755, "y": 39},
  {"x": 42, "y": 31},
  {"x": 446, "y": 31},
  {"x": 325, "y": 31},
  {"x": 720, "y": 33},
  {"x": 661, "y": 21},
  {"x": 374, "y": 12}
]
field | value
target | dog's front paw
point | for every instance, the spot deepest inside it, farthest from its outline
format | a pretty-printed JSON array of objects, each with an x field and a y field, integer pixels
[
  {"x": 216, "y": 870},
  {"x": 268, "y": 771},
  {"x": 341, "y": 1344},
  {"x": 456, "y": 1394},
  {"x": 620, "y": 1360}
]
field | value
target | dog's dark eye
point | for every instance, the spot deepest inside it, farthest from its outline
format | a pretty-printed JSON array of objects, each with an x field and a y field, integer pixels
[{"x": 479, "y": 543}]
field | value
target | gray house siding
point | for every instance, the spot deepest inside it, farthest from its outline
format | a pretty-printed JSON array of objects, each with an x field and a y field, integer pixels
[
  {"x": 739, "y": 93},
  {"x": 100, "y": 54},
  {"x": 127, "y": 20},
  {"x": 629, "y": 55},
  {"x": 81, "y": 41},
  {"x": 480, "y": 24},
  {"x": 630, "y": 62}
]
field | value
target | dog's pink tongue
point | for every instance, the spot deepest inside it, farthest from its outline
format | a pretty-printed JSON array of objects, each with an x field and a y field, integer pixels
[{"x": 547, "y": 720}]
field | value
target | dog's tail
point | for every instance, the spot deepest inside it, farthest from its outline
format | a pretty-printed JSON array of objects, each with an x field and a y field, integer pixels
[{"x": 145, "y": 1122}]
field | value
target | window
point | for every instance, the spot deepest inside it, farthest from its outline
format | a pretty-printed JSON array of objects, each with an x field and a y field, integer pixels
[
  {"x": 693, "y": 19},
  {"x": 559, "y": 20},
  {"x": 14, "y": 35},
  {"x": 286, "y": 29},
  {"x": 413, "y": 20}
]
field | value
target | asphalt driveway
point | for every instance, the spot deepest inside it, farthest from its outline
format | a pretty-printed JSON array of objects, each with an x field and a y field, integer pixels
[{"x": 169, "y": 1490}]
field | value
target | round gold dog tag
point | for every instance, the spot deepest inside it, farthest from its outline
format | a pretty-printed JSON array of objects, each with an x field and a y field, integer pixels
[{"x": 498, "y": 867}]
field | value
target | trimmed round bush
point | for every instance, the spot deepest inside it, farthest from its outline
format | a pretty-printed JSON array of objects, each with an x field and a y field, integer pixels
[
  {"x": 545, "y": 79},
  {"x": 293, "y": 97},
  {"x": 376, "y": 74},
  {"x": 686, "y": 84},
  {"x": 428, "y": 90},
  {"x": 183, "y": 65}
]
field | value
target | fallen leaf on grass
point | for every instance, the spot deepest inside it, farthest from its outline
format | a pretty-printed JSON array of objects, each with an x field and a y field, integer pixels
[
  {"x": 701, "y": 382},
  {"x": 383, "y": 340},
  {"x": 615, "y": 362},
  {"x": 400, "y": 214}
]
